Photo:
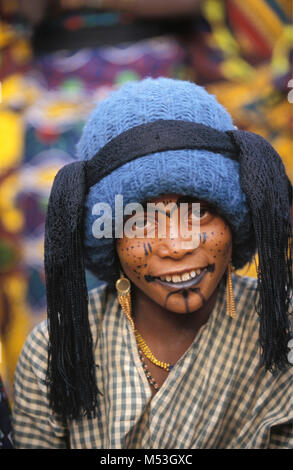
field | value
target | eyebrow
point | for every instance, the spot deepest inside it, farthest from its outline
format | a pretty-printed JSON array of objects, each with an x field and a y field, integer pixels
[{"x": 181, "y": 199}]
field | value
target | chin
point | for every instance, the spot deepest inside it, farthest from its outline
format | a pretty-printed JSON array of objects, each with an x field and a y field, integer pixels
[{"x": 179, "y": 306}]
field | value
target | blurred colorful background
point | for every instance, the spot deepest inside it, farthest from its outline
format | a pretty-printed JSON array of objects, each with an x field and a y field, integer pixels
[{"x": 58, "y": 59}]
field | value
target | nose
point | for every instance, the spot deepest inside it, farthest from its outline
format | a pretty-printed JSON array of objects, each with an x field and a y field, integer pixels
[
  {"x": 178, "y": 240},
  {"x": 175, "y": 248}
]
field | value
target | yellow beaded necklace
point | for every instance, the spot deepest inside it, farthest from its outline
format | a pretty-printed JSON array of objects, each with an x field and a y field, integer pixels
[
  {"x": 148, "y": 353},
  {"x": 123, "y": 290}
]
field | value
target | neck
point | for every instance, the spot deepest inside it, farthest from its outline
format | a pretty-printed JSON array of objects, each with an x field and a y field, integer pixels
[{"x": 151, "y": 319}]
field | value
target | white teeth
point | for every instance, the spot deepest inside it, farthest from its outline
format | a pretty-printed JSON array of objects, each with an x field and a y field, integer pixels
[{"x": 183, "y": 277}]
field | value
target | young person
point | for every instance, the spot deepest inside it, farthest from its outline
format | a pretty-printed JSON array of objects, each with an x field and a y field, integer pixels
[{"x": 173, "y": 350}]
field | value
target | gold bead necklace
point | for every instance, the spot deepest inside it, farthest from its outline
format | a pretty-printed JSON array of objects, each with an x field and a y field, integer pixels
[
  {"x": 148, "y": 353},
  {"x": 124, "y": 298}
]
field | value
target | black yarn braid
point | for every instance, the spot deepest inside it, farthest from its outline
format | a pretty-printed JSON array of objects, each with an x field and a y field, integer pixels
[
  {"x": 71, "y": 368},
  {"x": 269, "y": 195}
]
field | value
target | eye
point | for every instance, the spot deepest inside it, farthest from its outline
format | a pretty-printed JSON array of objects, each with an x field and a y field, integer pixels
[
  {"x": 202, "y": 213},
  {"x": 141, "y": 223},
  {"x": 141, "y": 226},
  {"x": 144, "y": 226}
]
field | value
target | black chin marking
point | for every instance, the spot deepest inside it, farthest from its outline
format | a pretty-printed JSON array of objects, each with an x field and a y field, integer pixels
[
  {"x": 197, "y": 291},
  {"x": 168, "y": 295},
  {"x": 185, "y": 296},
  {"x": 184, "y": 293}
]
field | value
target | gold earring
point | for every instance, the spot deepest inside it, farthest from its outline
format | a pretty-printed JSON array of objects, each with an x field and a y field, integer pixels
[
  {"x": 231, "y": 310},
  {"x": 123, "y": 287}
]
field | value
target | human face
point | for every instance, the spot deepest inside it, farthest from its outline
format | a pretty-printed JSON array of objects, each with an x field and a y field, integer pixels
[{"x": 154, "y": 264}]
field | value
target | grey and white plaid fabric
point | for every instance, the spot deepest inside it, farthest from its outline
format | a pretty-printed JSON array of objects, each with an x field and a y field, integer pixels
[{"x": 217, "y": 395}]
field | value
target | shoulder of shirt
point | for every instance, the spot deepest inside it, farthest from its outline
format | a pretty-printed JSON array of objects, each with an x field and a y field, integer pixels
[
  {"x": 100, "y": 299},
  {"x": 245, "y": 290},
  {"x": 245, "y": 282},
  {"x": 245, "y": 294},
  {"x": 34, "y": 354},
  {"x": 248, "y": 286}
]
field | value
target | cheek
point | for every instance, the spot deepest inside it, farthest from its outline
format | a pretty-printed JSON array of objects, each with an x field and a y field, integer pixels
[
  {"x": 133, "y": 255},
  {"x": 219, "y": 241}
]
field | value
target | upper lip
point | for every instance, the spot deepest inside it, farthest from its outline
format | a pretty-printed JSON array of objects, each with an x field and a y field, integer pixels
[{"x": 173, "y": 273}]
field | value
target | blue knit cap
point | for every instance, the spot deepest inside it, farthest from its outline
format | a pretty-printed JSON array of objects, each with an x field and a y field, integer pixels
[{"x": 203, "y": 174}]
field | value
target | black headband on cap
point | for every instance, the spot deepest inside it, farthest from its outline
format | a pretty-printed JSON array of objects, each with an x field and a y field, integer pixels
[{"x": 71, "y": 369}]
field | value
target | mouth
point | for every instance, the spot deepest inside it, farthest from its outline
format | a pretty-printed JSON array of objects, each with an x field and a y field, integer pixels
[{"x": 184, "y": 280}]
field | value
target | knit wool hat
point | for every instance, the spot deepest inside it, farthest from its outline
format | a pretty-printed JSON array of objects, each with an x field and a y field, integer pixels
[
  {"x": 200, "y": 173},
  {"x": 148, "y": 139}
]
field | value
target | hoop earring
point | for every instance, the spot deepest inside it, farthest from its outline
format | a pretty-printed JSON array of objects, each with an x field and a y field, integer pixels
[
  {"x": 123, "y": 288},
  {"x": 231, "y": 310}
]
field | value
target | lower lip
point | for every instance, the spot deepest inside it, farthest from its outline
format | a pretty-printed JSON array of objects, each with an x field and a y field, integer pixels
[{"x": 185, "y": 284}]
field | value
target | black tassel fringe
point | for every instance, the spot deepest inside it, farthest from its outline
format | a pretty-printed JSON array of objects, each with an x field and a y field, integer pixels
[
  {"x": 269, "y": 195},
  {"x": 71, "y": 368}
]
